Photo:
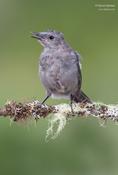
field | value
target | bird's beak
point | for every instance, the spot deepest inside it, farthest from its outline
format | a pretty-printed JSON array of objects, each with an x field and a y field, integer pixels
[{"x": 36, "y": 35}]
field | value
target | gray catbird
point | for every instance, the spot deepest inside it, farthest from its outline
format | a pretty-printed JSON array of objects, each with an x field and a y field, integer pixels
[{"x": 59, "y": 67}]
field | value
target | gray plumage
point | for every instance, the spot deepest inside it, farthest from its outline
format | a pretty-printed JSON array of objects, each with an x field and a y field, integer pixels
[{"x": 59, "y": 67}]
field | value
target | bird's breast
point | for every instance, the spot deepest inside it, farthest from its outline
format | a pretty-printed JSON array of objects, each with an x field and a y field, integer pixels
[{"x": 59, "y": 74}]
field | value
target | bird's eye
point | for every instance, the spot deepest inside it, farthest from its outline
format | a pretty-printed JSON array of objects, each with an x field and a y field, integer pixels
[{"x": 51, "y": 37}]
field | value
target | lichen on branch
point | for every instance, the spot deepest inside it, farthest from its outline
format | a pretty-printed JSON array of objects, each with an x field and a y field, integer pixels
[{"x": 60, "y": 113}]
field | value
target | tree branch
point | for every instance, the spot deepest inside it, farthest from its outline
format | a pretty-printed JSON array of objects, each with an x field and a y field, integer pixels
[
  {"x": 60, "y": 113},
  {"x": 36, "y": 110}
]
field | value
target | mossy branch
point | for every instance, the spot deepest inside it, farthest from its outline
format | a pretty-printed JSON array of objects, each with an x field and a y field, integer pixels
[
  {"x": 60, "y": 113},
  {"x": 36, "y": 110}
]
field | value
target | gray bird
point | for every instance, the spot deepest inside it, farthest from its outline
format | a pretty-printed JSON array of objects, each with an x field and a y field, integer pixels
[{"x": 59, "y": 68}]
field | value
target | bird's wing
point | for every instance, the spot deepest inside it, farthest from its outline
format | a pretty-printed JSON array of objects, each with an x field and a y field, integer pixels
[
  {"x": 79, "y": 69},
  {"x": 79, "y": 58}
]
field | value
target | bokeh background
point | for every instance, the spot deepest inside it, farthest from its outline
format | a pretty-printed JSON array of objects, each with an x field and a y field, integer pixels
[{"x": 83, "y": 148}]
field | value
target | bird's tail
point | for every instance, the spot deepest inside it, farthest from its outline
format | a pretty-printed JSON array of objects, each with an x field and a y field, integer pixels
[{"x": 81, "y": 98}]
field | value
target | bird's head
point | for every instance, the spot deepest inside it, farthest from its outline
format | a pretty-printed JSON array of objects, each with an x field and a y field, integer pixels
[{"x": 51, "y": 38}]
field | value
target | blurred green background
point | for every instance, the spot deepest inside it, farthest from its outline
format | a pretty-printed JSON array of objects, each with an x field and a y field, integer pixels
[{"x": 83, "y": 148}]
